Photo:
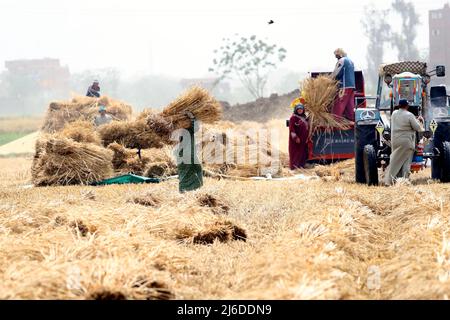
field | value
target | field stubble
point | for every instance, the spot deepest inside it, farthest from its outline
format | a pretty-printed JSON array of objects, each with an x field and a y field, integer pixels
[{"x": 323, "y": 239}]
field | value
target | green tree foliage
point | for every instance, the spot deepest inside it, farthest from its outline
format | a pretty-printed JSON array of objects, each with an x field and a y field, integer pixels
[{"x": 249, "y": 59}]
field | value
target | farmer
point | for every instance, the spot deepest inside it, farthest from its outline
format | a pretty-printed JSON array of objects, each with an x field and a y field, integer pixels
[
  {"x": 94, "y": 90},
  {"x": 404, "y": 126},
  {"x": 298, "y": 136},
  {"x": 102, "y": 118},
  {"x": 344, "y": 73},
  {"x": 190, "y": 172}
]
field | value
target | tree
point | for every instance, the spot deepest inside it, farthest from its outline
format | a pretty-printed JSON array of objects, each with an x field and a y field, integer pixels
[
  {"x": 404, "y": 40},
  {"x": 379, "y": 33},
  {"x": 250, "y": 59}
]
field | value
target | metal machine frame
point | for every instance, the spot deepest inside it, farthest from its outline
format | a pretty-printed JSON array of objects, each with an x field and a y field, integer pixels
[{"x": 372, "y": 129}]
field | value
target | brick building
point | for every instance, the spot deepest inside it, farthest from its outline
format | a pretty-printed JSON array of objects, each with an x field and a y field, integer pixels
[
  {"x": 439, "y": 24},
  {"x": 47, "y": 73}
]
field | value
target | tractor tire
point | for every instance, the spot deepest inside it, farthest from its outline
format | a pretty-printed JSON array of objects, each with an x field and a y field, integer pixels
[
  {"x": 441, "y": 136},
  {"x": 436, "y": 172},
  {"x": 364, "y": 135},
  {"x": 445, "y": 162},
  {"x": 370, "y": 165}
]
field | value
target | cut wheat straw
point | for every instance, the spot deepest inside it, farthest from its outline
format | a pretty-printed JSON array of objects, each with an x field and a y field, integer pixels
[
  {"x": 82, "y": 108},
  {"x": 320, "y": 94},
  {"x": 81, "y": 131},
  {"x": 62, "y": 161},
  {"x": 197, "y": 101}
]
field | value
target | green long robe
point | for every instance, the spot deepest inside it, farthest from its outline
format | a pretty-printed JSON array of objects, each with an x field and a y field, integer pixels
[{"x": 190, "y": 174}]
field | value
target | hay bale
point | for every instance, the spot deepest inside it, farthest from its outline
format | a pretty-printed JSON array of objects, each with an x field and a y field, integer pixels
[
  {"x": 161, "y": 126},
  {"x": 151, "y": 290},
  {"x": 60, "y": 113},
  {"x": 197, "y": 101},
  {"x": 79, "y": 227},
  {"x": 246, "y": 161},
  {"x": 217, "y": 206},
  {"x": 154, "y": 162},
  {"x": 222, "y": 231},
  {"x": 148, "y": 199},
  {"x": 81, "y": 131},
  {"x": 161, "y": 164},
  {"x": 118, "y": 110},
  {"x": 127, "y": 160},
  {"x": 66, "y": 162},
  {"x": 131, "y": 134},
  {"x": 320, "y": 94}
]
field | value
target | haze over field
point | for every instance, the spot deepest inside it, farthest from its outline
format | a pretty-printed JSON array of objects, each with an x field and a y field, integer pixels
[{"x": 147, "y": 47}]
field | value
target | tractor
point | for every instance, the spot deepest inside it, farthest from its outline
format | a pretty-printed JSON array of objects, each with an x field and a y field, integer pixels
[{"x": 408, "y": 80}]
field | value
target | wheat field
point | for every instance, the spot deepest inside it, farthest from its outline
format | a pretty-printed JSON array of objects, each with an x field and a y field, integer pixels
[{"x": 327, "y": 238}]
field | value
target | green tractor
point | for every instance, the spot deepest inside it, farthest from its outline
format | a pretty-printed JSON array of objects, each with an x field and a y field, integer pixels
[{"x": 408, "y": 80}]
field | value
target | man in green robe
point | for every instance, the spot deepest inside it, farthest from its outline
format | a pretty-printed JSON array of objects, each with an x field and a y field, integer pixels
[{"x": 190, "y": 172}]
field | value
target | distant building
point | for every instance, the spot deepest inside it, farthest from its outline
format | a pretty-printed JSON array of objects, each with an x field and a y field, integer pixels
[
  {"x": 47, "y": 73},
  {"x": 220, "y": 88},
  {"x": 28, "y": 85},
  {"x": 439, "y": 23}
]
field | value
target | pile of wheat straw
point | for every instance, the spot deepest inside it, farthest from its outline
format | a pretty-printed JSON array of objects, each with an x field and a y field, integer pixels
[
  {"x": 63, "y": 161},
  {"x": 154, "y": 162},
  {"x": 82, "y": 108},
  {"x": 81, "y": 131},
  {"x": 196, "y": 100},
  {"x": 320, "y": 94}
]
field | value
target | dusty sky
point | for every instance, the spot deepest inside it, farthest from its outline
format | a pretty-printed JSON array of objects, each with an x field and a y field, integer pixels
[{"x": 177, "y": 37}]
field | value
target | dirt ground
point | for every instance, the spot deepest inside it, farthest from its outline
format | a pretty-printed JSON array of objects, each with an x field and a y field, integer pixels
[{"x": 327, "y": 238}]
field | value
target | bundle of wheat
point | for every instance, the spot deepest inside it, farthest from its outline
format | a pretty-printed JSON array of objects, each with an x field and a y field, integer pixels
[
  {"x": 64, "y": 161},
  {"x": 162, "y": 163},
  {"x": 221, "y": 231},
  {"x": 131, "y": 134},
  {"x": 196, "y": 100},
  {"x": 127, "y": 160},
  {"x": 119, "y": 110},
  {"x": 154, "y": 162},
  {"x": 320, "y": 94},
  {"x": 81, "y": 131},
  {"x": 244, "y": 161},
  {"x": 82, "y": 108}
]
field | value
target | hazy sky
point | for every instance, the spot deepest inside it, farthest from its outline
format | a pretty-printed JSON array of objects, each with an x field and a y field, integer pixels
[{"x": 177, "y": 37}]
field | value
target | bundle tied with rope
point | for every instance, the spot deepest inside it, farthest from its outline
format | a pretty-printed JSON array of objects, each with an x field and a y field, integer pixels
[{"x": 320, "y": 94}]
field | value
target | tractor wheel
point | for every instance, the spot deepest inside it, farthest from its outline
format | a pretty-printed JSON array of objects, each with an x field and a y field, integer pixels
[
  {"x": 436, "y": 173},
  {"x": 364, "y": 135},
  {"x": 370, "y": 165},
  {"x": 445, "y": 162}
]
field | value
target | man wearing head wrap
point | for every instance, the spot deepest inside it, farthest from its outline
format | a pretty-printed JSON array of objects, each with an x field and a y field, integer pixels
[
  {"x": 102, "y": 118},
  {"x": 94, "y": 90},
  {"x": 344, "y": 72},
  {"x": 298, "y": 136},
  {"x": 403, "y": 141}
]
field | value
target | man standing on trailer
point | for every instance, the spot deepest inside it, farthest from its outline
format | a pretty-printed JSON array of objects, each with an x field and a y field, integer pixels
[
  {"x": 94, "y": 90},
  {"x": 344, "y": 72},
  {"x": 403, "y": 131}
]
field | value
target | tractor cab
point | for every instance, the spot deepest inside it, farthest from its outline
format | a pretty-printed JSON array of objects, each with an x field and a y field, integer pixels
[{"x": 404, "y": 80}]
